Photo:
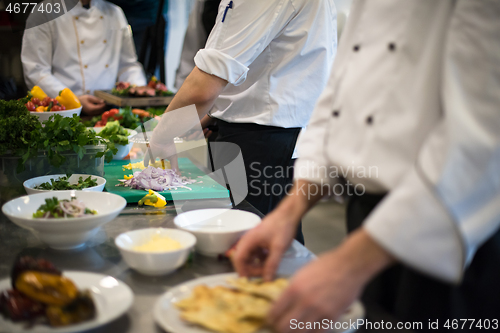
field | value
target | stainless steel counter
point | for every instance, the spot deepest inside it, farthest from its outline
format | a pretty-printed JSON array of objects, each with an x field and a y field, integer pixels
[{"x": 101, "y": 256}]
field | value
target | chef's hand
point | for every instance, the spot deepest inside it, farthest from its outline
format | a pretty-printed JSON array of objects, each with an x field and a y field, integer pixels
[
  {"x": 165, "y": 150},
  {"x": 259, "y": 251},
  {"x": 325, "y": 288},
  {"x": 92, "y": 105}
]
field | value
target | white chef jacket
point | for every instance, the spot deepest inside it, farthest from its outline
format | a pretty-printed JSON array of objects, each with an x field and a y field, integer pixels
[
  {"x": 415, "y": 92},
  {"x": 276, "y": 55},
  {"x": 84, "y": 50}
]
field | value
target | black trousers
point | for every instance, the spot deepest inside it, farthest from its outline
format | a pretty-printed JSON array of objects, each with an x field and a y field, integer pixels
[
  {"x": 411, "y": 296},
  {"x": 267, "y": 154}
]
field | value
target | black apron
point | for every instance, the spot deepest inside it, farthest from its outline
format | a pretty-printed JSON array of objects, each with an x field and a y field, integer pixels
[
  {"x": 267, "y": 154},
  {"x": 411, "y": 296}
]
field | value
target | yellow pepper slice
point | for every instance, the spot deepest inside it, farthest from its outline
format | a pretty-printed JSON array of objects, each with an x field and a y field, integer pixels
[
  {"x": 128, "y": 177},
  {"x": 41, "y": 108},
  {"x": 153, "y": 199},
  {"x": 37, "y": 92},
  {"x": 68, "y": 99}
]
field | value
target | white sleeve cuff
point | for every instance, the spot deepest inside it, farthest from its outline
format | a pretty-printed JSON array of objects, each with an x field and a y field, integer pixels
[
  {"x": 216, "y": 63},
  {"x": 311, "y": 171},
  {"x": 413, "y": 225}
]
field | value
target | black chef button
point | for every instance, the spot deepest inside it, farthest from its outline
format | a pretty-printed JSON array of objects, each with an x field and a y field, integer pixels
[
  {"x": 335, "y": 113},
  {"x": 356, "y": 48},
  {"x": 369, "y": 120},
  {"x": 392, "y": 47}
]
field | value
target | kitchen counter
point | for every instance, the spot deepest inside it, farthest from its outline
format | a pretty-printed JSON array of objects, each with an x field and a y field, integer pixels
[{"x": 101, "y": 256}]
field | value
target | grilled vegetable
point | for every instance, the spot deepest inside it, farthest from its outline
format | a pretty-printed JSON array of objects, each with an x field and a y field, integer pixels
[
  {"x": 17, "y": 306},
  {"x": 26, "y": 263},
  {"x": 47, "y": 288},
  {"x": 80, "y": 309}
]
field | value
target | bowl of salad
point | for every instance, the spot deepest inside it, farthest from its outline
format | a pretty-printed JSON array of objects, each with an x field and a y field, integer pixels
[
  {"x": 118, "y": 135},
  {"x": 77, "y": 182},
  {"x": 64, "y": 219}
]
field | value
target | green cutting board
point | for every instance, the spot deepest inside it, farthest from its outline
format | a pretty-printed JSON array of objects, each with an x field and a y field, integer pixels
[{"x": 204, "y": 188}]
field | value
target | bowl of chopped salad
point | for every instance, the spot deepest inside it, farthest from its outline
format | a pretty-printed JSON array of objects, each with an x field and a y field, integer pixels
[
  {"x": 77, "y": 182},
  {"x": 64, "y": 219},
  {"x": 118, "y": 135}
]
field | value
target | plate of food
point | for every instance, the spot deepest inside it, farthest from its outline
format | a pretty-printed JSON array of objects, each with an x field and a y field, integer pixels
[
  {"x": 42, "y": 299},
  {"x": 225, "y": 303}
]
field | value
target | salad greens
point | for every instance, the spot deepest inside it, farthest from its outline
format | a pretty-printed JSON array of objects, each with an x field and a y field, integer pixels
[
  {"x": 62, "y": 184},
  {"x": 115, "y": 133},
  {"x": 55, "y": 208}
]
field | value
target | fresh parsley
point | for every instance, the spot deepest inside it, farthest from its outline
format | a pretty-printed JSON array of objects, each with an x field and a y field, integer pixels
[{"x": 62, "y": 184}]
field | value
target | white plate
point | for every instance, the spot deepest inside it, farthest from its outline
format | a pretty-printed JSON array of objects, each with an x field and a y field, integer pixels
[
  {"x": 168, "y": 316},
  {"x": 111, "y": 297}
]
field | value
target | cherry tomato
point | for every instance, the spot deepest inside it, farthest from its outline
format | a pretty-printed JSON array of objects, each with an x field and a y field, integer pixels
[
  {"x": 62, "y": 107},
  {"x": 46, "y": 101},
  {"x": 54, "y": 101},
  {"x": 56, "y": 108},
  {"x": 31, "y": 106},
  {"x": 36, "y": 100}
]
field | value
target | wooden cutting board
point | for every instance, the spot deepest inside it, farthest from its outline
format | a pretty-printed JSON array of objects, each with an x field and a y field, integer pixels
[
  {"x": 204, "y": 188},
  {"x": 133, "y": 101}
]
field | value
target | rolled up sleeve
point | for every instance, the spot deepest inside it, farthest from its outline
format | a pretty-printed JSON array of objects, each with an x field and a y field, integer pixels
[
  {"x": 217, "y": 63},
  {"x": 243, "y": 29}
]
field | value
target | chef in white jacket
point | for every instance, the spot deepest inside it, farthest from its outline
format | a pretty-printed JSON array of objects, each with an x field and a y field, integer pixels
[
  {"x": 263, "y": 67},
  {"x": 88, "y": 48},
  {"x": 411, "y": 118}
]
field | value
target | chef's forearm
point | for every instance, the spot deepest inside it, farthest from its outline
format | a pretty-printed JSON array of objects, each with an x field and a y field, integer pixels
[
  {"x": 299, "y": 200},
  {"x": 361, "y": 257},
  {"x": 200, "y": 89}
]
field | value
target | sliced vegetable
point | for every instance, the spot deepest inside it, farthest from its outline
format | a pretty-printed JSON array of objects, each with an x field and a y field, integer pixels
[{"x": 153, "y": 199}]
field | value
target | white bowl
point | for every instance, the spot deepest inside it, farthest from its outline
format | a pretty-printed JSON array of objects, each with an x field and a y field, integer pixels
[
  {"x": 154, "y": 263},
  {"x": 30, "y": 184},
  {"x": 216, "y": 230},
  {"x": 42, "y": 116},
  {"x": 64, "y": 233},
  {"x": 123, "y": 150}
]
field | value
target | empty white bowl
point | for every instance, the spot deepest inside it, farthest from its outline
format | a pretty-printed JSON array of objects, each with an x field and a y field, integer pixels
[
  {"x": 216, "y": 230},
  {"x": 123, "y": 150},
  {"x": 30, "y": 184},
  {"x": 42, "y": 116},
  {"x": 64, "y": 233},
  {"x": 154, "y": 263}
]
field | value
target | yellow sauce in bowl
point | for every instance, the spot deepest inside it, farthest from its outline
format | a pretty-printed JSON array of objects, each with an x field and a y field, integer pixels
[{"x": 159, "y": 243}]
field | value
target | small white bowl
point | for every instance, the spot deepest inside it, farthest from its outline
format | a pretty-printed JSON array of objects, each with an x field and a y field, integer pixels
[
  {"x": 123, "y": 150},
  {"x": 154, "y": 263},
  {"x": 30, "y": 184},
  {"x": 42, "y": 116},
  {"x": 64, "y": 233},
  {"x": 216, "y": 230}
]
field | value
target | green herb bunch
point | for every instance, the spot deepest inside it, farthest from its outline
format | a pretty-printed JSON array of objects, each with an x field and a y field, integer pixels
[{"x": 21, "y": 134}]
